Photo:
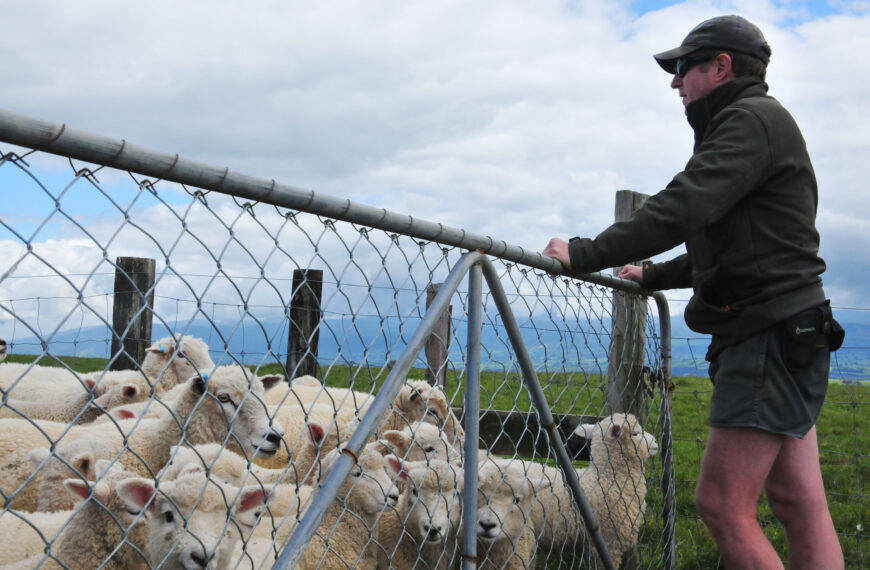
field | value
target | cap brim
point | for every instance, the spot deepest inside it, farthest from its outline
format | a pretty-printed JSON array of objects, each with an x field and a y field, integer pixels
[{"x": 668, "y": 59}]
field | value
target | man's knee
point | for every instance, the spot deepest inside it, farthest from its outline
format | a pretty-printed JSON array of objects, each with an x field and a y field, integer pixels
[{"x": 796, "y": 508}]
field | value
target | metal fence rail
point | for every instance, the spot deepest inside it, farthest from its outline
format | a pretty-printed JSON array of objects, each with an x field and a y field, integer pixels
[{"x": 226, "y": 246}]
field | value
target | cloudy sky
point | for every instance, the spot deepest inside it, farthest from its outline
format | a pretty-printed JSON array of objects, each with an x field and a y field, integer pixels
[{"x": 513, "y": 119}]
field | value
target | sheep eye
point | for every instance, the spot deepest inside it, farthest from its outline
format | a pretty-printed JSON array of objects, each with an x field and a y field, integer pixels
[
  {"x": 357, "y": 473},
  {"x": 223, "y": 398},
  {"x": 168, "y": 517},
  {"x": 429, "y": 449},
  {"x": 415, "y": 492},
  {"x": 516, "y": 500}
]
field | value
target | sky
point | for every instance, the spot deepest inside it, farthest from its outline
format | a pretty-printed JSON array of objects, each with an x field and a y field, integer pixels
[{"x": 513, "y": 119}]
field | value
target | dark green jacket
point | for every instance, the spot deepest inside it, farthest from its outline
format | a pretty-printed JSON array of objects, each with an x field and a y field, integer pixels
[{"x": 745, "y": 207}]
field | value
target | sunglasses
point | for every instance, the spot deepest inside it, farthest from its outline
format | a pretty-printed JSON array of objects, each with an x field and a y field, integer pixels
[{"x": 684, "y": 64}]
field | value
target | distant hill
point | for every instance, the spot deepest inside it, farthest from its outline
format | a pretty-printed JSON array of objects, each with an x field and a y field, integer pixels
[{"x": 368, "y": 339}]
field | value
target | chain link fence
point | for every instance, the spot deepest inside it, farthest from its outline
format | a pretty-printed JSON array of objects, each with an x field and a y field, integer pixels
[{"x": 225, "y": 469}]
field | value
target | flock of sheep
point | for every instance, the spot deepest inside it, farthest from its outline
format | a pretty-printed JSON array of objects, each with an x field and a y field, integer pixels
[{"x": 185, "y": 464}]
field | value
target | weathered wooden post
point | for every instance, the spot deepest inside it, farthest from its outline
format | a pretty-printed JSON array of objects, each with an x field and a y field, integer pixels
[
  {"x": 304, "y": 331},
  {"x": 438, "y": 343},
  {"x": 625, "y": 389},
  {"x": 132, "y": 311}
]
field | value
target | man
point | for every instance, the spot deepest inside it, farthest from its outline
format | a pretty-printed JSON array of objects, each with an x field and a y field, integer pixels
[{"x": 745, "y": 207}]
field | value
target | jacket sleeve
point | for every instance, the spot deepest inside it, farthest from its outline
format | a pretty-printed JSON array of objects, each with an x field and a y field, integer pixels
[
  {"x": 673, "y": 274},
  {"x": 732, "y": 161}
]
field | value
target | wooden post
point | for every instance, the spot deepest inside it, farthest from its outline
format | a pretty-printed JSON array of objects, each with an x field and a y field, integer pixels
[
  {"x": 438, "y": 343},
  {"x": 304, "y": 334},
  {"x": 132, "y": 311},
  {"x": 625, "y": 389}
]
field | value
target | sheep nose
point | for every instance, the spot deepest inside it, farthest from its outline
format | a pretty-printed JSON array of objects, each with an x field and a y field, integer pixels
[
  {"x": 198, "y": 559},
  {"x": 486, "y": 526},
  {"x": 394, "y": 498},
  {"x": 433, "y": 533},
  {"x": 273, "y": 437}
]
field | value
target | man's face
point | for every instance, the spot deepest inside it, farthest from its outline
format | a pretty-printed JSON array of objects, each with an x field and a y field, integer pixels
[{"x": 699, "y": 80}]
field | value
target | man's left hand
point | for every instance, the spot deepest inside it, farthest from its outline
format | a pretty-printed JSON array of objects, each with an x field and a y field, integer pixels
[{"x": 558, "y": 249}]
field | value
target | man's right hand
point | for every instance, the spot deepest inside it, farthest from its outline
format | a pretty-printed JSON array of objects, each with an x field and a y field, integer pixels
[{"x": 632, "y": 273}]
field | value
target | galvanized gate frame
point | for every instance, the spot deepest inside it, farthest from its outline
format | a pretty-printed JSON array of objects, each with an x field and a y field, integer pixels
[
  {"x": 476, "y": 265},
  {"x": 114, "y": 153}
]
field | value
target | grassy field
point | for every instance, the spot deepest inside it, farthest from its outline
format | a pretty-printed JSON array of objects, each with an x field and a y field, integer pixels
[{"x": 844, "y": 441}]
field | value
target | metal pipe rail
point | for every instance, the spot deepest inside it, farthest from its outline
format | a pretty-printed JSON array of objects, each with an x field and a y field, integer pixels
[{"x": 64, "y": 141}]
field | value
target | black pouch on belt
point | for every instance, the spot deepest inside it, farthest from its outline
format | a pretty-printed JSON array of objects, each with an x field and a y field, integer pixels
[{"x": 806, "y": 332}]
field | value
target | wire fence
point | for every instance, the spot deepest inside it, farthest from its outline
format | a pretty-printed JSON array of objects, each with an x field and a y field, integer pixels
[{"x": 197, "y": 461}]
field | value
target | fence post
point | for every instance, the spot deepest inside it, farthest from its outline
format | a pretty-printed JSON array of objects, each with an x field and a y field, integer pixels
[
  {"x": 438, "y": 343},
  {"x": 625, "y": 391},
  {"x": 132, "y": 311},
  {"x": 304, "y": 330}
]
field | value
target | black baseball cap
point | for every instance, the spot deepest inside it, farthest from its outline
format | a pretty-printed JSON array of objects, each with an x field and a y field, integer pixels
[{"x": 732, "y": 33}]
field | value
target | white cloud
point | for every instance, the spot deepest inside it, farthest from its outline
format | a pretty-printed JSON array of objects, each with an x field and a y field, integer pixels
[{"x": 512, "y": 119}]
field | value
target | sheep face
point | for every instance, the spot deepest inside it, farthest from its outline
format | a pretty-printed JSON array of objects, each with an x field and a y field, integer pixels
[
  {"x": 420, "y": 442},
  {"x": 235, "y": 396},
  {"x": 369, "y": 489},
  {"x": 173, "y": 359},
  {"x": 434, "y": 499},
  {"x": 195, "y": 523},
  {"x": 503, "y": 503},
  {"x": 621, "y": 433},
  {"x": 3, "y": 350}
]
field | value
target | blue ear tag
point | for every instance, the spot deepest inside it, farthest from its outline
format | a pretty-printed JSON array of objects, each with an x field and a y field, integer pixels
[
  {"x": 161, "y": 347},
  {"x": 205, "y": 376}
]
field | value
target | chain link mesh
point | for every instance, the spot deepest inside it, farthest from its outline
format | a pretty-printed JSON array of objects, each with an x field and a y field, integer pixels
[{"x": 224, "y": 274}]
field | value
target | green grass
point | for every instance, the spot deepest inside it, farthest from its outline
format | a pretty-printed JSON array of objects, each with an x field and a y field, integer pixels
[{"x": 844, "y": 442}]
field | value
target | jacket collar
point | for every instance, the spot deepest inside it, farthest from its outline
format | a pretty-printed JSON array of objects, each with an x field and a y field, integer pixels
[{"x": 700, "y": 112}]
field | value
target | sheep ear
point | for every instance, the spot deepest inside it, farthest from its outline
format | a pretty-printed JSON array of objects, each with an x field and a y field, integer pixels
[
  {"x": 162, "y": 347},
  {"x": 136, "y": 492},
  {"x": 396, "y": 466},
  {"x": 122, "y": 413},
  {"x": 77, "y": 487},
  {"x": 197, "y": 384},
  {"x": 254, "y": 496},
  {"x": 38, "y": 455},
  {"x": 84, "y": 463},
  {"x": 316, "y": 432},
  {"x": 615, "y": 431},
  {"x": 394, "y": 440},
  {"x": 271, "y": 380},
  {"x": 585, "y": 430},
  {"x": 90, "y": 383}
]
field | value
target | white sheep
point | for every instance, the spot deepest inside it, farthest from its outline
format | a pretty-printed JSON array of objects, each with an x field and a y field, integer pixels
[
  {"x": 416, "y": 401},
  {"x": 219, "y": 463},
  {"x": 101, "y": 532},
  {"x": 81, "y": 407},
  {"x": 419, "y": 442},
  {"x": 174, "y": 359},
  {"x": 188, "y": 517},
  {"x": 505, "y": 530},
  {"x": 227, "y": 407},
  {"x": 424, "y": 525},
  {"x": 614, "y": 482},
  {"x": 3, "y": 349},
  {"x": 164, "y": 366},
  {"x": 345, "y": 535}
]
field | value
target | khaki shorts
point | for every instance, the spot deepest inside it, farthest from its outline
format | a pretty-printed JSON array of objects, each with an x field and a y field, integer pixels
[{"x": 753, "y": 387}]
